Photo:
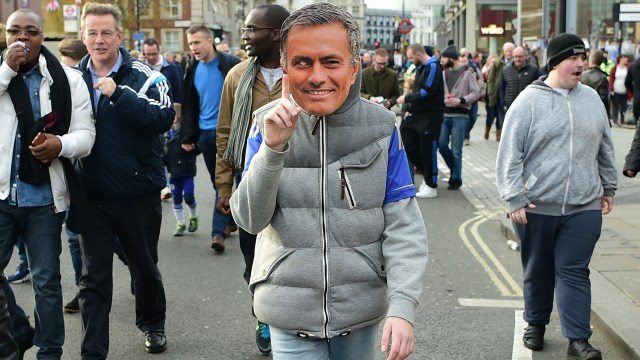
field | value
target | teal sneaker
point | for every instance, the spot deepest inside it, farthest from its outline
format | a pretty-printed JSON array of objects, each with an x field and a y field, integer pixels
[
  {"x": 263, "y": 338},
  {"x": 193, "y": 224},
  {"x": 180, "y": 229}
]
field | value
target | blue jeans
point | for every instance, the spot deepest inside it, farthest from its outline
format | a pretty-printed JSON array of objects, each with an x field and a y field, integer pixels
[
  {"x": 360, "y": 344},
  {"x": 454, "y": 128},
  {"x": 74, "y": 251},
  {"x": 473, "y": 116},
  {"x": 40, "y": 229},
  {"x": 207, "y": 144}
]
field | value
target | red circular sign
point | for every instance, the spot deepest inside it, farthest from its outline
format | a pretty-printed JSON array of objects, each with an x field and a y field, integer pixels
[{"x": 405, "y": 26}]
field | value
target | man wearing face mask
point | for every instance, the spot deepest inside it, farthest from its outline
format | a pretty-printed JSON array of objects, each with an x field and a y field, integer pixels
[
  {"x": 379, "y": 83},
  {"x": 460, "y": 91}
]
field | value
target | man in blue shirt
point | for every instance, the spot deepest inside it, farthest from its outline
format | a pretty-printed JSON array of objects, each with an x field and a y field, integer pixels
[
  {"x": 36, "y": 180},
  {"x": 201, "y": 102}
]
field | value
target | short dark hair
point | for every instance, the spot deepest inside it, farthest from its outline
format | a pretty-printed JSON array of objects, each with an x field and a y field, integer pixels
[
  {"x": 72, "y": 48},
  {"x": 381, "y": 52},
  {"x": 200, "y": 28},
  {"x": 597, "y": 58},
  {"x": 275, "y": 15},
  {"x": 152, "y": 42}
]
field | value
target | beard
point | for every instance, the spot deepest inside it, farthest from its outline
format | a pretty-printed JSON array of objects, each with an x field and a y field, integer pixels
[{"x": 448, "y": 64}]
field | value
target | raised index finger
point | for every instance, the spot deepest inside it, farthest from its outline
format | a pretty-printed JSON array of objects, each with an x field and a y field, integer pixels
[{"x": 285, "y": 87}]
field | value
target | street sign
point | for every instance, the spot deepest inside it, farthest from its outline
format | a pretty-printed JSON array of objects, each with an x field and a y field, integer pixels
[
  {"x": 623, "y": 12},
  {"x": 138, "y": 36},
  {"x": 405, "y": 26},
  {"x": 70, "y": 11}
]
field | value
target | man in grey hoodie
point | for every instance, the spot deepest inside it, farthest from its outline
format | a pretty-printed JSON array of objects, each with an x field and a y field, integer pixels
[
  {"x": 556, "y": 170},
  {"x": 341, "y": 242}
]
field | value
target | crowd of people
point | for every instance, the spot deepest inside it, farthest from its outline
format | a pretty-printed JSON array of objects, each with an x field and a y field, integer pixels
[{"x": 298, "y": 103}]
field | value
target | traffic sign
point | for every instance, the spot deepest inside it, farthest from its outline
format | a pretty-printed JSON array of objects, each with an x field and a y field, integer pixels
[
  {"x": 70, "y": 11},
  {"x": 138, "y": 36},
  {"x": 405, "y": 26}
]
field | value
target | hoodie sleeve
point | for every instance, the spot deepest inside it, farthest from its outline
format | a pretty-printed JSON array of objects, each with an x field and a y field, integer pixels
[
  {"x": 511, "y": 153},
  {"x": 606, "y": 159},
  {"x": 405, "y": 252},
  {"x": 254, "y": 201}
]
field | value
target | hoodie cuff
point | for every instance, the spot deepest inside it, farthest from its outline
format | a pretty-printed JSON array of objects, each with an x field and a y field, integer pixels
[
  {"x": 609, "y": 192},
  {"x": 518, "y": 202},
  {"x": 402, "y": 308}
]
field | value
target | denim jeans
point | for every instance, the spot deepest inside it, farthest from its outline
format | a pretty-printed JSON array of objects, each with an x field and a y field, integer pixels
[
  {"x": 473, "y": 116},
  {"x": 207, "y": 144},
  {"x": 40, "y": 229},
  {"x": 8, "y": 347},
  {"x": 74, "y": 251},
  {"x": 360, "y": 344},
  {"x": 454, "y": 128}
]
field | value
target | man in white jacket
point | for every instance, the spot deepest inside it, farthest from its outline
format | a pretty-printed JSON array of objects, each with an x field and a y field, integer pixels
[{"x": 33, "y": 178}]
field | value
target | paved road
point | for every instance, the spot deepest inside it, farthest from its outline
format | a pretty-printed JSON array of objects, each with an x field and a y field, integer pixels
[{"x": 470, "y": 308}]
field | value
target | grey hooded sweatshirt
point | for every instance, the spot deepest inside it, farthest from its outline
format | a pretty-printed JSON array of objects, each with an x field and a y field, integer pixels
[
  {"x": 341, "y": 241},
  {"x": 556, "y": 152}
]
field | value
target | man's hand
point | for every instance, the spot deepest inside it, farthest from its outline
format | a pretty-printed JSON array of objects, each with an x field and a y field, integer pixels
[
  {"x": 223, "y": 205},
  {"x": 106, "y": 85},
  {"x": 48, "y": 150},
  {"x": 281, "y": 121},
  {"x": 400, "y": 100},
  {"x": 606, "y": 204},
  {"x": 401, "y": 333},
  {"x": 188, "y": 147},
  {"x": 630, "y": 173},
  {"x": 15, "y": 56},
  {"x": 520, "y": 216}
]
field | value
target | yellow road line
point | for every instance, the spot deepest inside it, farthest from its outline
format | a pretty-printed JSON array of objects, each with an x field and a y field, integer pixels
[
  {"x": 517, "y": 291},
  {"x": 465, "y": 239}
]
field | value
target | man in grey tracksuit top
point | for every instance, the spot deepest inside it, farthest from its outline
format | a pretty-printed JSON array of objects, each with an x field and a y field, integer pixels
[
  {"x": 341, "y": 242},
  {"x": 556, "y": 170}
]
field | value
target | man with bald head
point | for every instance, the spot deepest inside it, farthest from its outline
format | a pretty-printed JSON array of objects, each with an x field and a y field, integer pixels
[
  {"x": 36, "y": 177},
  {"x": 493, "y": 87},
  {"x": 516, "y": 77}
]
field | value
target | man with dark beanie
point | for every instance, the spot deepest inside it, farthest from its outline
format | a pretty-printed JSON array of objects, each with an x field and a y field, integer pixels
[{"x": 556, "y": 170}]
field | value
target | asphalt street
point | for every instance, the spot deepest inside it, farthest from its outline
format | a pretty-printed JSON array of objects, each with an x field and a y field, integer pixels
[{"x": 470, "y": 308}]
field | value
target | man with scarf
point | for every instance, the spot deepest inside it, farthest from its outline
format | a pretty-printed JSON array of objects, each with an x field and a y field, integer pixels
[
  {"x": 37, "y": 181},
  {"x": 248, "y": 86}
]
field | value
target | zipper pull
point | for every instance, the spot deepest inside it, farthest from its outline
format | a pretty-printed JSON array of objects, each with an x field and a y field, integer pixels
[{"x": 343, "y": 184}]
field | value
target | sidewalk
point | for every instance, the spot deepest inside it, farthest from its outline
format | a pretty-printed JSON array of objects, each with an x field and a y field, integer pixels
[{"x": 615, "y": 265}]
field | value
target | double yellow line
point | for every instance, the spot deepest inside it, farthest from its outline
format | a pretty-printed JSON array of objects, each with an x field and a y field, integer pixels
[{"x": 498, "y": 274}]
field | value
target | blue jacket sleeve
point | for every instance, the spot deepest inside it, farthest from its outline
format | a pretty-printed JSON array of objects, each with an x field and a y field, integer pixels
[
  {"x": 431, "y": 82},
  {"x": 399, "y": 182}
]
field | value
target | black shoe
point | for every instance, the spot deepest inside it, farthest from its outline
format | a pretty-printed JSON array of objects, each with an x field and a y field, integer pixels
[
  {"x": 155, "y": 341},
  {"x": 454, "y": 185},
  {"x": 73, "y": 306},
  {"x": 582, "y": 350},
  {"x": 533, "y": 337}
]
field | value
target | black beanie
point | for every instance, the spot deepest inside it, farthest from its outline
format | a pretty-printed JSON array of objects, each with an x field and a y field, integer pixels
[
  {"x": 428, "y": 50},
  {"x": 563, "y": 46},
  {"x": 451, "y": 52}
]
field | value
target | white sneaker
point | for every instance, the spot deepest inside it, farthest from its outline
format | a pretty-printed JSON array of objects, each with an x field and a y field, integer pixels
[
  {"x": 422, "y": 186},
  {"x": 427, "y": 193},
  {"x": 165, "y": 194}
]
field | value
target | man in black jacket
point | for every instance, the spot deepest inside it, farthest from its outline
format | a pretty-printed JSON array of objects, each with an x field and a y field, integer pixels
[
  {"x": 202, "y": 91},
  {"x": 596, "y": 79},
  {"x": 123, "y": 177},
  {"x": 420, "y": 134},
  {"x": 516, "y": 77}
]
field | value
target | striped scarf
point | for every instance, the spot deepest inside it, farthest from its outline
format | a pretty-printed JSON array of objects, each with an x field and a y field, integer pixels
[{"x": 241, "y": 115}]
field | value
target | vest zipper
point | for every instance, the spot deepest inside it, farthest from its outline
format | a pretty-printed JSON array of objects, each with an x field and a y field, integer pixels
[{"x": 325, "y": 247}]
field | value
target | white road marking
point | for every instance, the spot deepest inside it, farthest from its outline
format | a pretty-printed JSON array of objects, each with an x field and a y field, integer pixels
[
  {"x": 519, "y": 351},
  {"x": 492, "y": 303}
]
